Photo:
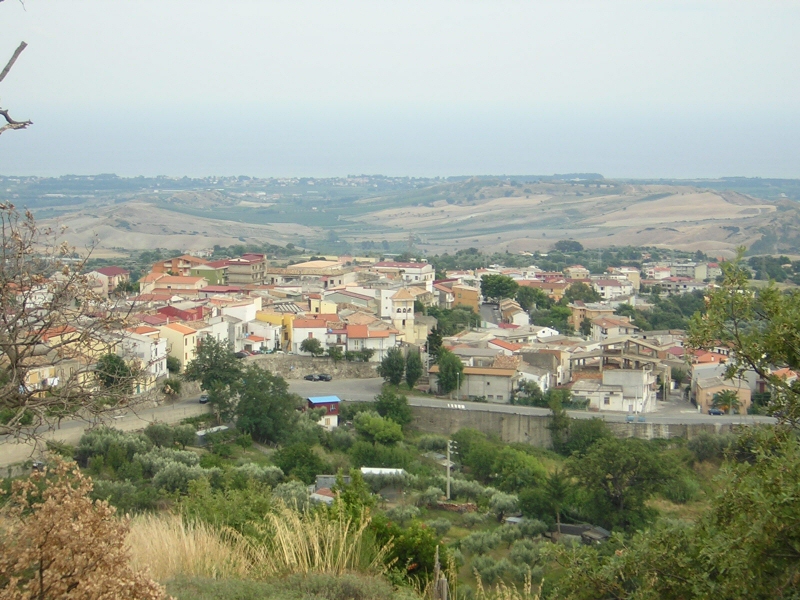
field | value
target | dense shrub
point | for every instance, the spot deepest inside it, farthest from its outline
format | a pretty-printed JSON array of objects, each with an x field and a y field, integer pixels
[
  {"x": 97, "y": 442},
  {"x": 710, "y": 446},
  {"x": 471, "y": 519},
  {"x": 480, "y": 542},
  {"x": 402, "y": 514},
  {"x": 175, "y": 477},
  {"x": 682, "y": 489},
  {"x": 428, "y": 443},
  {"x": 440, "y": 526},
  {"x": 268, "y": 475}
]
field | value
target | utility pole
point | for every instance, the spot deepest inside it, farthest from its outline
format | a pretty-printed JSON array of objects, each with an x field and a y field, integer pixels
[{"x": 452, "y": 447}]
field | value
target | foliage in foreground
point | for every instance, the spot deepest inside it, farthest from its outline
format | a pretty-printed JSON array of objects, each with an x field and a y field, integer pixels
[
  {"x": 747, "y": 545},
  {"x": 56, "y": 543}
]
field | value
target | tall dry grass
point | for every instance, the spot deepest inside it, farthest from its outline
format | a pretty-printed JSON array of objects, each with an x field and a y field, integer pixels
[
  {"x": 318, "y": 542},
  {"x": 168, "y": 547},
  {"x": 296, "y": 542}
]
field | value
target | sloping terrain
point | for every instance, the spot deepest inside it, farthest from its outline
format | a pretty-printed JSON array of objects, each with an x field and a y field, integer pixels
[{"x": 443, "y": 216}]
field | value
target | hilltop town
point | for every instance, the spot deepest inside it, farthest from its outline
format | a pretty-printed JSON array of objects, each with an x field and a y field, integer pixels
[{"x": 358, "y": 308}]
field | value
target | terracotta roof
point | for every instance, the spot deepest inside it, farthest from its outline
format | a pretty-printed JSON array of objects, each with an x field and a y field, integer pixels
[
  {"x": 112, "y": 271},
  {"x": 403, "y": 294},
  {"x": 362, "y": 332},
  {"x": 143, "y": 330},
  {"x": 181, "y": 328},
  {"x": 506, "y": 362},
  {"x": 309, "y": 324},
  {"x": 155, "y": 319},
  {"x": 256, "y": 338},
  {"x": 506, "y": 345},
  {"x": 151, "y": 277}
]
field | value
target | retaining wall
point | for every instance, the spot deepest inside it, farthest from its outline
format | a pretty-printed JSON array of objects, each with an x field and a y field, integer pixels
[
  {"x": 532, "y": 429},
  {"x": 292, "y": 366}
]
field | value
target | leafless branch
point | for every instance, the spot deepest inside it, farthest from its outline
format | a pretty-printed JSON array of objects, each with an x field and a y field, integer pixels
[
  {"x": 14, "y": 57},
  {"x": 11, "y": 123}
]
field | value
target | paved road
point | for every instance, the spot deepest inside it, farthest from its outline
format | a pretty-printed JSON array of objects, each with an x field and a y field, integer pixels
[
  {"x": 365, "y": 390},
  {"x": 12, "y": 452}
]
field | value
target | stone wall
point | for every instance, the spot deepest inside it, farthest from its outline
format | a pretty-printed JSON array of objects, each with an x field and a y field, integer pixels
[
  {"x": 532, "y": 429},
  {"x": 291, "y": 366}
]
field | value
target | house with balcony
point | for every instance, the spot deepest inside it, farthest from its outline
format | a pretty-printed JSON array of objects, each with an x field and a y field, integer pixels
[
  {"x": 604, "y": 328},
  {"x": 248, "y": 269}
]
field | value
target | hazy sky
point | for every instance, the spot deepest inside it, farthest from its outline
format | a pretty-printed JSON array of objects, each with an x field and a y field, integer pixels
[{"x": 318, "y": 88}]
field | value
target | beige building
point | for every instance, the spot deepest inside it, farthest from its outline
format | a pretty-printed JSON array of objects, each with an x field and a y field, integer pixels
[
  {"x": 403, "y": 315},
  {"x": 181, "y": 342},
  {"x": 494, "y": 384},
  {"x": 706, "y": 388},
  {"x": 466, "y": 295}
]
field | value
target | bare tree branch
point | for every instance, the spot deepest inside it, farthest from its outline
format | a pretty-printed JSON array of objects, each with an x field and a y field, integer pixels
[
  {"x": 11, "y": 123},
  {"x": 14, "y": 57}
]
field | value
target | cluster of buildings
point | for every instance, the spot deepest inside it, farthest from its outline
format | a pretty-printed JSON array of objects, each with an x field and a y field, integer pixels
[{"x": 367, "y": 306}]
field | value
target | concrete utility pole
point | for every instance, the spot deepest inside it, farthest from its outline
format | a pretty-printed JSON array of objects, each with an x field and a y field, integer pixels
[{"x": 451, "y": 447}]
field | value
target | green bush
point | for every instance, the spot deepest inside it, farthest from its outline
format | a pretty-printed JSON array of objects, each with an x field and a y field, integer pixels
[
  {"x": 471, "y": 519},
  {"x": 440, "y": 526},
  {"x": 97, "y": 442},
  {"x": 681, "y": 489},
  {"x": 402, "y": 514},
  {"x": 175, "y": 477},
  {"x": 480, "y": 542},
  {"x": 710, "y": 446},
  {"x": 437, "y": 443},
  {"x": 172, "y": 386},
  {"x": 160, "y": 434}
]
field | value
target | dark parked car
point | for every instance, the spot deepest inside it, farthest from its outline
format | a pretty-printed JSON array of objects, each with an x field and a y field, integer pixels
[
  {"x": 311, "y": 377},
  {"x": 241, "y": 354},
  {"x": 203, "y": 398},
  {"x": 324, "y": 377},
  {"x": 715, "y": 411}
]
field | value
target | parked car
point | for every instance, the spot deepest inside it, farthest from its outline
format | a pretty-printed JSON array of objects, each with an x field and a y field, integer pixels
[
  {"x": 311, "y": 377},
  {"x": 630, "y": 418},
  {"x": 241, "y": 354},
  {"x": 324, "y": 377},
  {"x": 715, "y": 411},
  {"x": 203, "y": 398}
]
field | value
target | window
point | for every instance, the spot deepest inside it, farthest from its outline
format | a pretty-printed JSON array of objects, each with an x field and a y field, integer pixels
[
  {"x": 310, "y": 334},
  {"x": 606, "y": 400}
]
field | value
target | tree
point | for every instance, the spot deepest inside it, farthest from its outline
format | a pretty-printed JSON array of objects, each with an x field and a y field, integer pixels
[
  {"x": 392, "y": 366},
  {"x": 173, "y": 365},
  {"x": 313, "y": 346},
  {"x": 726, "y": 400},
  {"x": 160, "y": 434},
  {"x": 50, "y": 319},
  {"x": 745, "y": 545},
  {"x": 498, "y": 286},
  {"x": 619, "y": 477},
  {"x": 559, "y": 423},
  {"x": 762, "y": 329},
  {"x": 115, "y": 374},
  {"x": 586, "y": 327},
  {"x": 377, "y": 429},
  {"x": 434, "y": 342},
  {"x": 581, "y": 291},
  {"x": 215, "y": 364},
  {"x": 393, "y": 406},
  {"x": 528, "y": 297},
  {"x": 568, "y": 246},
  {"x": 450, "y": 371},
  {"x": 55, "y": 542},
  {"x": 413, "y": 368},
  {"x": 530, "y": 394},
  {"x": 266, "y": 409},
  {"x": 335, "y": 353},
  {"x": 299, "y": 460},
  {"x": 557, "y": 489}
]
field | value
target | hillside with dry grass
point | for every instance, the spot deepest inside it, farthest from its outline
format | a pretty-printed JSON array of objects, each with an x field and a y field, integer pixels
[{"x": 433, "y": 215}]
